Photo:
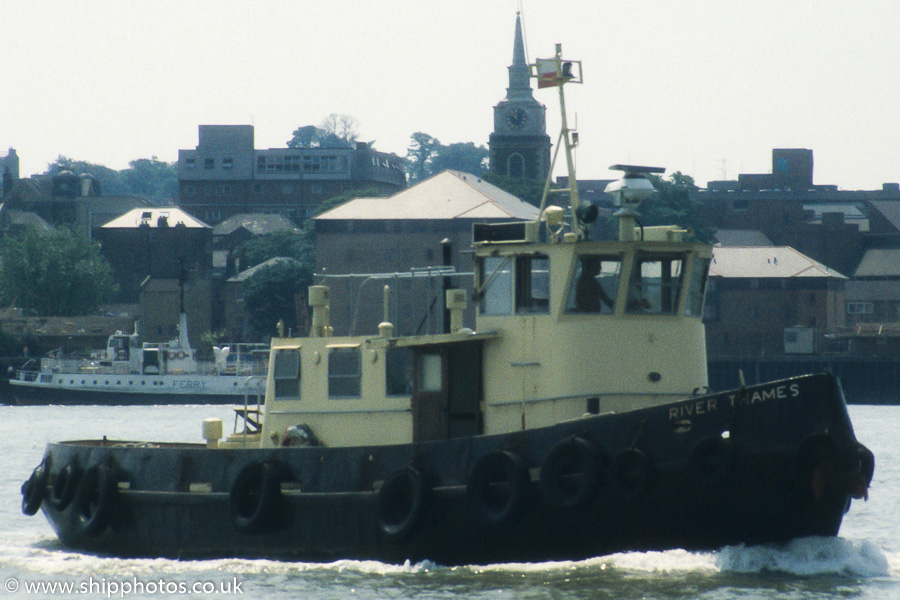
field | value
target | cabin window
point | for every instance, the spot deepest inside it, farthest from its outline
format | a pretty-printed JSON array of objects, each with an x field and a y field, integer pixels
[
  {"x": 595, "y": 284},
  {"x": 697, "y": 288},
  {"x": 533, "y": 284},
  {"x": 286, "y": 372},
  {"x": 399, "y": 371},
  {"x": 496, "y": 285},
  {"x": 344, "y": 370},
  {"x": 430, "y": 373},
  {"x": 654, "y": 285}
]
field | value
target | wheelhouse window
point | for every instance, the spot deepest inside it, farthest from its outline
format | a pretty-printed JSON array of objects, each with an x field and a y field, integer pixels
[
  {"x": 533, "y": 284},
  {"x": 430, "y": 372},
  {"x": 655, "y": 284},
  {"x": 344, "y": 372},
  {"x": 496, "y": 285},
  {"x": 399, "y": 371},
  {"x": 286, "y": 373},
  {"x": 697, "y": 288},
  {"x": 595, "y": 284}
]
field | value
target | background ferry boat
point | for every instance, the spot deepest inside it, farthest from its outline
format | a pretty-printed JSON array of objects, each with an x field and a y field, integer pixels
[{"x": 128, "y": 372}]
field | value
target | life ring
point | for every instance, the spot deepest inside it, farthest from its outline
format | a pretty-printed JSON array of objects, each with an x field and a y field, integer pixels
[
  {"x": 95, "y": 500},
  {"x": 632, "y": 473},
  {"x": 571, "y": 473},
  {"x": 711, "y": 460},
  {"x": 400, "y": 504},
  {"x": 62, "y": 492},
  {"x": 255, "y": 497},
  {"x": 34, "y": 490},
  {"x": 497, "y": 487}
]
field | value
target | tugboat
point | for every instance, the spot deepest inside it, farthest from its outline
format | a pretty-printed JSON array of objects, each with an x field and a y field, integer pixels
[
  {"x": 571, "y": 422},
  {"x": 129, "y": 372}
]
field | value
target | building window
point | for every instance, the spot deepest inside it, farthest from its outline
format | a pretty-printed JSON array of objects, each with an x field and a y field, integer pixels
[
  {"x": 209, "y": 164},
  {"x": 190, "y": 163},
  {"x": 344, "y": 372},
  {"x": 860, "y": 308},
  {"x": 286, "y": 372},
  {"x": 227, "y": 163},
  {"x": 515, "y": 166}
]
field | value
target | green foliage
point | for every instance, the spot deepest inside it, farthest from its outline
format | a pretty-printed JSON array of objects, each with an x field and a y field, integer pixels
[
  {"x": 271, "y": 295},
  {"x": 674, "y": 205},
  {"x": 151, "y": 177},
  {"x": 290, "y": 244},
  {"x": 335, "y": 131},
  {"x": 58, "y": 274},
  {"x": 111, "y": 181},
  {"x": 148, "y": 177},
  {"x": 427, "y": 156}
]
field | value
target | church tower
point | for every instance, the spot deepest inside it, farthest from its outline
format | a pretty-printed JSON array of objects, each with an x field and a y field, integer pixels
[{"x": 519, "y": 145}]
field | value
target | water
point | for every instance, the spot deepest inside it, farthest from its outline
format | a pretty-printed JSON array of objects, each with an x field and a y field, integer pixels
[{"x": 864, "y": 562}]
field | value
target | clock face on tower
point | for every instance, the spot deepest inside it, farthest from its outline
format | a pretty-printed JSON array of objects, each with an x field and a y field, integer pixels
[{"x": 516, "y": 118}]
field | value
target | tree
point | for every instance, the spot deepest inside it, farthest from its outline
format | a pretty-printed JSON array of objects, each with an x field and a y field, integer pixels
[
  {"x": 151, "y": 177},
  {"x": 60, "y": 274},
  {"x": 111, "y": 181},
  {"x": 427, "y": 156},
  {"x": 271, "y": 295},
  {"x": 335, "y": 131},
  {"x": 420, "y": 156},
  {"x": 674, "y": 204},
  {"x": 461, "y": 156},
  {"x": 286, "y": 243}
]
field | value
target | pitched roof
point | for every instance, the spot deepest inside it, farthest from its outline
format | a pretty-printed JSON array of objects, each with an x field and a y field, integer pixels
[
  {"x": 890, "y": 209},
  {"x": 879, "y": 262},
  {"x": 151, "y": 216},
  {"x": 245, "y": 275},
  {"x": 766, "y": 262},
  {"x": 257, "y": 224},
  {"x": 447, "y": 195}
]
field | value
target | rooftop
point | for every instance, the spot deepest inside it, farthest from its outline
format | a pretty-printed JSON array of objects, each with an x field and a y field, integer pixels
[
  {"x": 766, "y": 262},
  {"x": 447, "y": 195}
]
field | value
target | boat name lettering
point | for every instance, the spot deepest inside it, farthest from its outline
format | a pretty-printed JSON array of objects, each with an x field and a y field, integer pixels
[
  {"x": 700, "y": 407},
  {"x": 707, "y": 405},
  {"x": 187, "y": 383},
  {"x": 779, "y": 392}
]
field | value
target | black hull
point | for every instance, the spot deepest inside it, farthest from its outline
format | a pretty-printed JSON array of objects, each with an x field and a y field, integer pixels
[
  {"x": 651, "y": 479},
  {"x": 41, "y": 396}
]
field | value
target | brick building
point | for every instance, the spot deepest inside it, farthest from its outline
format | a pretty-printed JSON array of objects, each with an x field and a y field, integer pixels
[{"x": 760, "y": 296}]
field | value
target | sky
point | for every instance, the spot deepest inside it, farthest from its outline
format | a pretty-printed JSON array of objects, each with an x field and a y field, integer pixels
[{"x": 705, "y": 87}]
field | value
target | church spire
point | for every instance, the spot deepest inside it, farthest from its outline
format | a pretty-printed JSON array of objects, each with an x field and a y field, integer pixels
[{"x": 519, "y": 72}]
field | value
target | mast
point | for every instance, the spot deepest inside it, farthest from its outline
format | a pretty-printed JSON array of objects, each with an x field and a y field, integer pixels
[{"x": 556, "y": 72}]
